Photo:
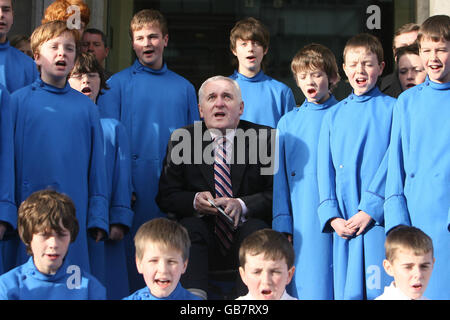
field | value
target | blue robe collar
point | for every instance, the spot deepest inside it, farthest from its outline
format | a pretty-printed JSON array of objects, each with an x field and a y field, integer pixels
[
  {"x": 32, "y": 271},
  {"x": 5, "y": 45},
  {"x": 138, "y": 67},
  {"x": 374, "y": 92},
  {"x": 435, "y": 85},
  {"x": 173, "y": 296},
  {"x": 313, "y": 106},
  {"x": 47, "y": 87},
  {"x": 258, "y": 77}
]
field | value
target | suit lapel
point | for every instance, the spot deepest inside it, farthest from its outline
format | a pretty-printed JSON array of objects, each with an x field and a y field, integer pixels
[{"x": 207, "y": 170}]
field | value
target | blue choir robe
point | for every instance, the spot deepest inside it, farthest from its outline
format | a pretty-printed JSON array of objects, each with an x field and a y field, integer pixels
[
  {"x": 266, "y": 100},
  {"x": 112, "y": 269},
  {"x": 17, "y": 70},
  {"x": 418, "y": 175},
  {"x": 353, "y": 141},
  {"x": 150, "y": 104},
  {"x": 179, "y": 293},
  {"x": 8, "y": 209},
  {"x": 26, "y": 282},
  {"x": 58, "y": 144},
  {"x": 296, "y": 200}
]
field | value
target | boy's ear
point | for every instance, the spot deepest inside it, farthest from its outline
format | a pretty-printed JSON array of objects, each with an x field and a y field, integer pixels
[
  {"x": 382, "y": 65},
  {"x": 242, "y": 274},
  {"x": 185, "y": 264},
  {"x": 388, "y": 267},
  {"x": 291, "y": 272},
  {"x": 166, "y": 40},
  {"x": 138, "y": 265}
]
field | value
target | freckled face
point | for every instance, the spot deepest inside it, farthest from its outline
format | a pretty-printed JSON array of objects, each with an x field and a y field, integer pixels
[{"x": 362, "y": 69}]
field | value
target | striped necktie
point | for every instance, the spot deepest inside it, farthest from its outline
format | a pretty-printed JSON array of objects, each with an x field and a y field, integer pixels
[{"x": 222, "y": 181}]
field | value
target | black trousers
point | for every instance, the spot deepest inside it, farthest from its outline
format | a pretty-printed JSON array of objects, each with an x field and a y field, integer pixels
[{"x": 205, "y": 254}]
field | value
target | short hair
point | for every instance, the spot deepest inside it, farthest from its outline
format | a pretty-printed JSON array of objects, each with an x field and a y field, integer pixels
[
  {"x": 217, "y": 78},
  {"x": 87, "y": 63},
  {"x": 146, "y": 17},
  {"x": 249, "y": 29},
  {"x": 406, "y": 237},
  {"x": 273, "y": 244},
  {"x": 43, "y": 211},
  {"x": 316, "y": 56},
  {"x": 367, "y": 41},
  {"x": 99, "y": 32},
  {"x": 436, "y": 28},
  {"x": 165, "y": 232},
  {"x": 49, "y": 31},
  {"x": 58, "y": 11},
  {"x": 410, "y": 49},
  {"x": 406, "y": 28}
]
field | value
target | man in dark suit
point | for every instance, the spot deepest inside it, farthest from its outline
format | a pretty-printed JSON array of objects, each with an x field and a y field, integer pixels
[{"x": 237, "y": 175}]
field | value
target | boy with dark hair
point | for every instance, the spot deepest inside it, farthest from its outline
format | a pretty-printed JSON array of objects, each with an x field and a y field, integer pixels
[
  {"x": 151, "y": 101},
  {"x": 353, "y": 141},
  {"x": 295, "y": 184},
  {"x": 17, "y": 70},
  {"x": 417, "y": 184},
  {"x": 266, "y": 100},
  {"x": 47, "y": 225}
]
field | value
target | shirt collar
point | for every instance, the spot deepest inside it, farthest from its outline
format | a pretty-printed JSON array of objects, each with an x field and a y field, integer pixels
[
  {"x": 435, "y": 85},
  {"x": 31, "y": 270},
  {"x": 258, "y": 77},
  {"x": 325, "y": 105},
  {"x": 138, "y": 66},
  {"x": 5, "y": 45},
  {"x": 374, "y": 92},
  {"x": 47, "y": 87}
]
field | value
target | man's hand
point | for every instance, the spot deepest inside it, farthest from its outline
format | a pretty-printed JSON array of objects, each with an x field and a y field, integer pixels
[
  {"x": 232, "y": 208},
  {"x": 358, "y": 222},
  {"x": 97, "y": 234},
  {"x": 202, "y": 204},
  {"x": 339, "y": 225}
]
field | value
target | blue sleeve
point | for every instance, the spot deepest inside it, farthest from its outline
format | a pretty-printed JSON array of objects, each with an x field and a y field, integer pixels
[
  {"x": 109, "y": 103},
  {"x": 395, "y": 207},
  {"x": 290, "y": 101},
  {"x": 120, "y": 208},
  {"x": 96, "y": 290},
  {"x": 8, "y": 209},
  {"x": 193, "y": 106},
  {"x": 98, "y": 199},
  {"x": 282, "y": 213},
  {"x": 372, "y": 199},
  {"x": 326, "y": 178}
]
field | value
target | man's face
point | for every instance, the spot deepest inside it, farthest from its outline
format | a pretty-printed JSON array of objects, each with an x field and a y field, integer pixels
[
  {"x": 149, "y": 44},
  {"x": 405, "y": 39},
  {"x": 220, "y": 105},
  {"x": 93, "y": 43},
  {"x": 6, "y": 19}
]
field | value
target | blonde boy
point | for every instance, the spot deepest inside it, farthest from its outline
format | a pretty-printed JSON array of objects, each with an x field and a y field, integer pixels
[
  {"x": 266, "y": 260},
  {"x": 59, "y": 129},
  {"x": 149, "y": 116},
  {"x": 353, "y": 141},
  {"x": 409, "y": 260},
  {"x": 417, "y": 183},
  {"x": 162, "y": 253},
  {"x": 266, "y": 100}
]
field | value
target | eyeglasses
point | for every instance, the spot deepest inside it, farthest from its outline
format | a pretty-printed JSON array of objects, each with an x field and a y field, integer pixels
[{"x": 90, "y": 76}]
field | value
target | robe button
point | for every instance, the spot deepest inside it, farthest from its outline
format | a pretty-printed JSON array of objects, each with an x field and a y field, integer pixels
[
  {"x": 341, "y": 166},
  {"x": 412, "y": 175},
  {"x": 135, "y": 157},
  {"x": 293, "y": 173}
]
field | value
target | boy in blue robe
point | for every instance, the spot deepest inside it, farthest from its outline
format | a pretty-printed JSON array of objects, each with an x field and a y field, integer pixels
[
  {"x": 295, "y": 184},
  {"x": 47, "y": 224},
  {"x": 58, "y": 139},
  {"x": 162, "y": 253},
  {"x": 8, "y": 209},
  {"x": 418, "y": 174},
  {"x": 17, "y": 70},
  {"x": 353, "y": 141},
  {"x": 151, "y": 101},
  {"x": 266, "y": 99},
  {"x": 108, "y": 259}
]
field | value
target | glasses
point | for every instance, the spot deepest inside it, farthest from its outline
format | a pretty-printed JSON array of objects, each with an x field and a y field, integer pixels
[{"x": 90, "y": 76}]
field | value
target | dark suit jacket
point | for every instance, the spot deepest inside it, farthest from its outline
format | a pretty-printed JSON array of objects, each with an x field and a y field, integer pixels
[
  {"x": 180, "y": 182},
  {"x": 390, "y": 85}
]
